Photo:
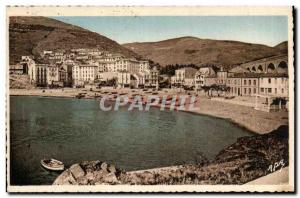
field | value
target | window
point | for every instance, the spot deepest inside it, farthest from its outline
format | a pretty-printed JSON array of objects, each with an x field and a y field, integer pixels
[
  {"x": 282, "y": 90},
  {"x": 269, "y": 90},
  {"x": 254, "y": 90},
  {"x": 275, "y": 90},
  {"x": 249, "y": 82},
  {"x": 254, "y": 82},
  {"x": 262, "y": 90},
  {"x": 245, "y": 82},
  {"x": 245, "y": 91},
  {"x": 269, "y": 80},
  {"x": 249, "y": 90}
]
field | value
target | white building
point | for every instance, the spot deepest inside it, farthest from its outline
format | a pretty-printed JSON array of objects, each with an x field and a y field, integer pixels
[
  {"x": 201, "y": 74},
  {"x": 128, "y": 65},
  {"x": 123, "y": 68},
  {"x": 105, "y": 76},
  {"x": 185, "y": 76},
  {"x": 37, "y": 71},
  {"x": 151, "y": 77},
  {"x": 274, "y": 85},
  {"x": 126, "y": 79},
  {"x": 83, "y": 74},
  {"x": 52, "y": 74},
  {"x": 56, "y": 75},
  {"x": 144, "y": 66},
  {"x": 273, "y": 93},
  {"x": 123, "y": 79}
]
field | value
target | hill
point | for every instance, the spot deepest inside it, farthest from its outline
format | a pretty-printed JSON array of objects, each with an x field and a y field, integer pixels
[
  {"x": 192, "y": 50},
  {"x": 282, "y": 47},
  {"x": 32, "y": 35}
]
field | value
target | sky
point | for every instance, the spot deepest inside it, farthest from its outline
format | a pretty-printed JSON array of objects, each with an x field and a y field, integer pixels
[{"x": 267, "y": 30}]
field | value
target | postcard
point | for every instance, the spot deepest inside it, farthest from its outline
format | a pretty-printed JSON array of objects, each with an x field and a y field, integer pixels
[{"x": 150, "y": 99}]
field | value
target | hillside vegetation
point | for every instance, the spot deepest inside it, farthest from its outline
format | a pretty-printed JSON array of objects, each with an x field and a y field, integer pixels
[
  {"x": 192, "y": 50},
  {"x": 32, "y": 35}
]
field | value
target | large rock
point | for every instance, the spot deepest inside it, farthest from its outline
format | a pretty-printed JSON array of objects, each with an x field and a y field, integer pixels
[
  {"x": 112, "y": 169},
  {"x": 110, "y": 178},
  {"x": 66, "y": 178},
  {"x": 77, "y": 171},
  {"x": 104, "y": 166}
]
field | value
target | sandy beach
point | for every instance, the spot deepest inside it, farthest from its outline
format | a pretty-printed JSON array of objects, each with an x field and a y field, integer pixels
[{"x": 254, "y": 120}]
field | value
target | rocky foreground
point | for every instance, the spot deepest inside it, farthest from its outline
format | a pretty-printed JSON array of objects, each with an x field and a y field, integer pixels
[{"x": 247, "y": 159}]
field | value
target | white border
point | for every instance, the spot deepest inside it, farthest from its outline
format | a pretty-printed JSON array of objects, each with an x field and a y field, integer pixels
[{"x": 221, "y": 2}]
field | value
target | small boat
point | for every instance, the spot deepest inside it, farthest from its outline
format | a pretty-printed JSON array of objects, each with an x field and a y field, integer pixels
[
  {"x": 80, "y": 95},
  {"x": 52, "y": 164}
]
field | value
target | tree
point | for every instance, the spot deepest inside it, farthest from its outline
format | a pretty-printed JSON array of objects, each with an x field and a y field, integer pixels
[
  {"x": 206, "y": 89},
  {"x": 170, "y": 69}
]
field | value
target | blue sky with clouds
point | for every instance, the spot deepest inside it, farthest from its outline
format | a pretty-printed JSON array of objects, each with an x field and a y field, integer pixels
[{"x": 267, "y": 30}]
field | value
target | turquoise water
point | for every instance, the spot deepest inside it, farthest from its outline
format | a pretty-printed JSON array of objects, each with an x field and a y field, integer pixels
[{"x": 73, "y": 130}]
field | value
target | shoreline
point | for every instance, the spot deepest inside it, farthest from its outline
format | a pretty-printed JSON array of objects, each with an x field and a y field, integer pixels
[
  {"x": 211, "y": 108},
  {"x": 254, "y": 121}
]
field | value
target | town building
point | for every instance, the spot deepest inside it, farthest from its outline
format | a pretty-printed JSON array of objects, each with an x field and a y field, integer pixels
[
  {"x": 151, "y": 77},
  {"x": 68, "y": 67},
  {"x": 39, "y": 75},
  {"x": 126, "y": 79},
  {"x": 84, "y": 74},
  {"x": 242, "y": 84},
  {"x": 250, "y": 84},
  {"x": 201, "y": 74},
  {"x": 56, "y": 76},
  {"x": 185, "y": 77},
  {"x": 105, "y": 76},
  {"x": 273, "y": 93},
  {"x": 144, "y": 66},
  {"x": 210, "y": 80},
  {"x": 276, "y": 85},
  {"x": 37, "y": 71},
  {"x": 128, "y": 65}
]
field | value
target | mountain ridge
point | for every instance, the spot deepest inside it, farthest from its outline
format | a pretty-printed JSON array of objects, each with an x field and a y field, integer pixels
[
  {"x": 192, "y": 50},
  {"x": 32, "y": 35}
]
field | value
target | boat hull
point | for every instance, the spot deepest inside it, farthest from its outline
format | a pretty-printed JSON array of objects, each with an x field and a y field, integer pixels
[{"x": 56, "y": 168}]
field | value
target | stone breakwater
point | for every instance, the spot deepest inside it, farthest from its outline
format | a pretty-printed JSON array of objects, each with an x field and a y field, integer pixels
[{"x": 247, "y": 159}]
